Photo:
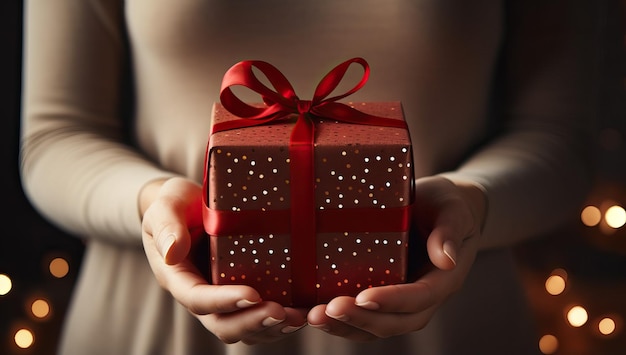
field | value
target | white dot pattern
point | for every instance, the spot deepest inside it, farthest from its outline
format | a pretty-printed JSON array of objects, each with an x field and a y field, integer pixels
[{"x": 356, "y": 166}]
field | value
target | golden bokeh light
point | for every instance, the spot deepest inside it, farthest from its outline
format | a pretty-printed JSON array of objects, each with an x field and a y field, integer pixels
[
  {"x": 5, "y": 284},
  {"x": 59, "y": 267},
  {"x": 548, "y": 344},
  {"x": 615, "y": 216},
  {"x": 577, "y": 316},
  {"x": 24, "y": 338},
  {"x": 40, "y": 308},
  {"x": 555, "y": 285},
  {"x": 591, "y": 216},
  {"x": 606, "y": 326}
]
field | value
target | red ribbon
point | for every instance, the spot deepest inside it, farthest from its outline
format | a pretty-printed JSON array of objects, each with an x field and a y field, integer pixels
[{"x": 281, "y": 104}]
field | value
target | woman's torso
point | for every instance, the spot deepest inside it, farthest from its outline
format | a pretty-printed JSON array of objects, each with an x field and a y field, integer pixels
[{"x": 437, "y": 58}]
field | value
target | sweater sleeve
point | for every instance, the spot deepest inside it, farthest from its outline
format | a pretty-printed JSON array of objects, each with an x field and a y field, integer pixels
[
  {"x": 77, "y": 168},
  {"x": 538, "y": 171}
]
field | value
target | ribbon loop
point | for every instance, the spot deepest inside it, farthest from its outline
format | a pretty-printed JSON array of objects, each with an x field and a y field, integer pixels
[
  {"x": 330, "y": 82},
  {"x": 241, "y": 74}
]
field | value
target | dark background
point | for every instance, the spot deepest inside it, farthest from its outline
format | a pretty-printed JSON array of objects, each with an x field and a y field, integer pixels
[
  {"x": 28, "y": 242},
  {"x": 594, "y": 258}
]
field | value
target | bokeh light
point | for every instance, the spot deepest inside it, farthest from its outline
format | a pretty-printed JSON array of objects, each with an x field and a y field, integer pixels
[
  {"x": 555, "y": 285},
  {"x": 607, "y": 326},
  {"x": 5, "y": 284},
  {"x": 24, "y": 338},
  {"x": 577, "y": 316},
  {"x": 615, "y": 216},
  {"x": 548, "y": 344},
  {"x": 59, "y": 267},
  {"x": 40, "y": 308},
  {"x": 591, "y": 216}
]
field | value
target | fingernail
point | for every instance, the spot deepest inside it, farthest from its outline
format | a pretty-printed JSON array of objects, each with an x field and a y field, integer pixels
[
  {"x": 245, "y": 303},
  {"x": 369, "y": 305},
  {"x": 291, "y": 328},
  {"x": 340, "y": 317},
  {"x": 450, "y": 250},
  {"x": 270, "y": 321},
  {"x": 165, "y": 244}
]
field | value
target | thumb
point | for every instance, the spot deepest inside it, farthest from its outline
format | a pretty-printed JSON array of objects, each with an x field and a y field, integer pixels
[
  {"x": 173, "y": 247},
  {"x": 442, "y": 246},
  {"x": 453, "y": 225},
  {"x": 461, "y": 216},
  {"x": 168, "y": 217}
]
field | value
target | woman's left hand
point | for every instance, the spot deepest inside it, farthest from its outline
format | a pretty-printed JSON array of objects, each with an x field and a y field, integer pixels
[{"x": 450, "y": 215}]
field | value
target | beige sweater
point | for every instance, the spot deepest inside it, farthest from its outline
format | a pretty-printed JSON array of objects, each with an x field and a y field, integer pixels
[{"x": 85, "y": 154}]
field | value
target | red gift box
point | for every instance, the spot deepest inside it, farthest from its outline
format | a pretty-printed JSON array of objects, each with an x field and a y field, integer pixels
[{"x": 303, "y": 227}]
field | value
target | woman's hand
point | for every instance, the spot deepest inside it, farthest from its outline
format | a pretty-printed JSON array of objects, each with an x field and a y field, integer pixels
[
  {"x": 451, "y": 216},
  {"x": 172, "y": 223}
]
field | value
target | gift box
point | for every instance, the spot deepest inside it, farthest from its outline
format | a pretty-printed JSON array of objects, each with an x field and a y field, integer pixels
[{"x": 349, "y": 232}]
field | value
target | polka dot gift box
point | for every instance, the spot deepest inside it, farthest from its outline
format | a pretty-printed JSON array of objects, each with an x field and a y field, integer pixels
[{"x": 305, "y": 204}]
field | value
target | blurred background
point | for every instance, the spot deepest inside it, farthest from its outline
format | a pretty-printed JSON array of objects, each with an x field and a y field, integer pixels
[{"x": 575, "y": 278}]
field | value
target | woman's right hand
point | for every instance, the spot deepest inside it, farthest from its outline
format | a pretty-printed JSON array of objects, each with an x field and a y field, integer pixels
[{"x": 171, "y": 223}]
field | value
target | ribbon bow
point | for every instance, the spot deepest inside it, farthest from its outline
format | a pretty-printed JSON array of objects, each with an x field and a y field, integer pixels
[{"x": 282, "y": 103}]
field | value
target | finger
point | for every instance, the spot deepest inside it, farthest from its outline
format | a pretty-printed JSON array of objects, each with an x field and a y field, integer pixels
[
  {"x": 236, "y": 326},
  {"x": 445, "y": 218},
  {"x": 453, "y": 226},
  {"x": 265, "y": 322},
  {"x": 402, "y": 298},
  {"x": 175, "y": 212},
  {"x": 164, "y": 222},
  {"x": 392, "y": 310},
  {"x": 441, "y": 246},
  {"x": 431, "y": 289},
  {"x": 192, "y": 291},
  {"x": 188, "y": 286},
  {"x": 294, "y": 321},
  {"x": 373, "y": 323},
  {"x": 318, "y": 319}
]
